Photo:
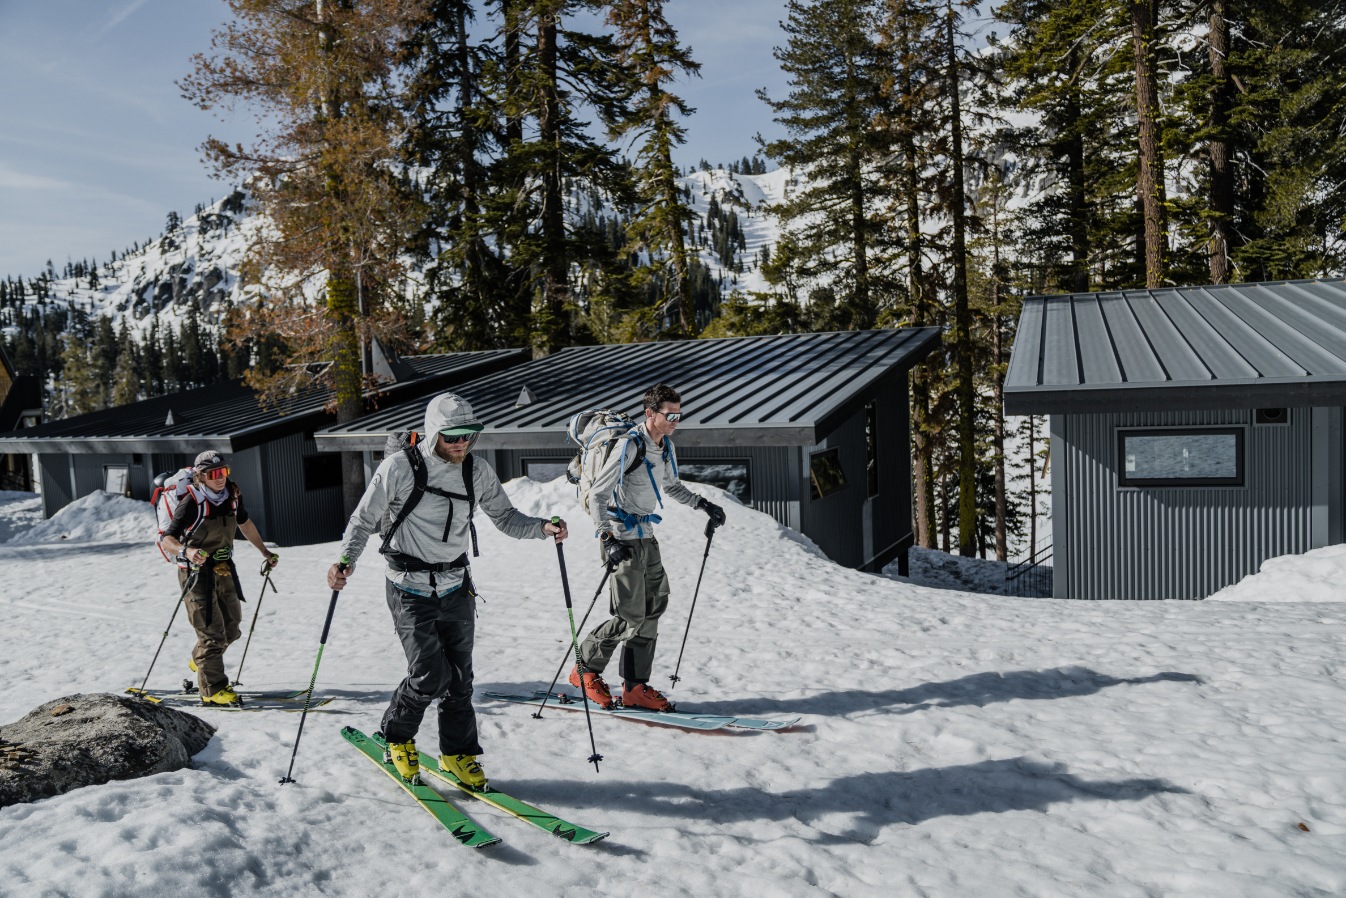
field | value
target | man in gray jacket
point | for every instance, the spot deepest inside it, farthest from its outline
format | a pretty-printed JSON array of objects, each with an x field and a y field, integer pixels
[
  {"x": 623, "y": 507},
  {"x": 429, "y": 584}
]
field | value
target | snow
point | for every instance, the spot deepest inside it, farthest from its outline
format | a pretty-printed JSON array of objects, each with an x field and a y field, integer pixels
[
  {"x": 952, "y": 743},
  {"x": 1316, "y": 576}
]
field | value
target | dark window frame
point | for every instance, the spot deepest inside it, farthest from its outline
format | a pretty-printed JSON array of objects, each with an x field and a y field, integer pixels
[
  {"x": 831, "y": 455},
  {"x": 1238, "y": 480},
  {"x": 726, "y": 461},
  {"x": 872, "y": 449}
]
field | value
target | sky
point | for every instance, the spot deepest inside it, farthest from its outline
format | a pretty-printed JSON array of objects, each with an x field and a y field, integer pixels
[
  {"x": 949, "y": 744},
  {"x": 97, "y": 145}
]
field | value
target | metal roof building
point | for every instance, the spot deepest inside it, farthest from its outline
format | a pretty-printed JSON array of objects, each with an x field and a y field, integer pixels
[
  {"x": 291, "y": 489},
  {"x": 1196, "y": 431},
  {"x": 811, "y": 428}
]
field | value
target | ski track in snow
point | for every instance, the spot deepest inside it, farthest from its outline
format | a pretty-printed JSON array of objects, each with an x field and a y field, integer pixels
[{"x": 952, "y": 744}]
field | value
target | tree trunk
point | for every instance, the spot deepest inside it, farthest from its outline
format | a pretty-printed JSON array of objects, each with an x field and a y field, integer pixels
[
  {"x": 962, "y": 329},
  {"x": 1221, "y": 176},
  {"x": 1076, "y": 192},
  {"x": 549, "y": 312},
  {"x": 1150, "y": 177}
]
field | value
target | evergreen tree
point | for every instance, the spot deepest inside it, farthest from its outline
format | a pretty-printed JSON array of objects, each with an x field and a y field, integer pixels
[
  {"x": 828, "y": 115},
  {"x": 325, "y": 72},
  {"x": 651, "y": 57}
]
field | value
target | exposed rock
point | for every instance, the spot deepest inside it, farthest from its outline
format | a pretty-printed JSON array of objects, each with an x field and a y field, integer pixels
[{"x": 87, "y": 740}]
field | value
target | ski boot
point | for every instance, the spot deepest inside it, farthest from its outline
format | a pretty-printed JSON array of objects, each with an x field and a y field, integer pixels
[
  {"x": 644, "y": 697},
  {"x": 593, "y": 687},
  {"x": 466, "y": 767},
  {"x": 406, "y": 759},
  {"x": 223, "y": 696}
]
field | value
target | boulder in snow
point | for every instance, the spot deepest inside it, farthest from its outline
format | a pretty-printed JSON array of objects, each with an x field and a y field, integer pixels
[{"x": 88, "y": 740}]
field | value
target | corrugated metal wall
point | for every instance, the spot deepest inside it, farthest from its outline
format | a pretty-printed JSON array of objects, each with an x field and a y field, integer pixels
[
  {"x": 294, "y": 516},
  {"x": 1175, "y": 543}
]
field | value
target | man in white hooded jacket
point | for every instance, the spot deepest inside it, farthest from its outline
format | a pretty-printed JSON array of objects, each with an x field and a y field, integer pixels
[{"x": 429, "y": 585}]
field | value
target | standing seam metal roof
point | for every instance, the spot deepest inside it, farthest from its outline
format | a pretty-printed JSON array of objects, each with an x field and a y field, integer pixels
[
  {"x": 227, "y": 416},
  {"x": 780, "y": 390},
  {"x": 1227, "y": 346}
]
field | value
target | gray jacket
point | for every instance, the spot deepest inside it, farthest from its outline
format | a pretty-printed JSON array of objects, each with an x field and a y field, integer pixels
[
  {"x": 636, "y": 494},
  {"x": 422, "y": 533}
]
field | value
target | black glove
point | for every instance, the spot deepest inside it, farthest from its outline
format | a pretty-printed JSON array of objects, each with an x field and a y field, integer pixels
[
  {"x": 615, "y": 551},
  {"x": 713, "y": 511}
]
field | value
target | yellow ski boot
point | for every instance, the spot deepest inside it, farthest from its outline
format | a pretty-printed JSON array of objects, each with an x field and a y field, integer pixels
[
  {"x": 406, "y": 759},
  {"x": 225, "y": 696},
  {"x": 466, "y": 767}
]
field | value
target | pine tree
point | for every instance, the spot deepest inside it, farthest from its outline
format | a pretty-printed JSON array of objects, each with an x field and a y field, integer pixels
[
  {"x": 827, "y": 117},
  {"x": 325, "y": 72},
  {"x": 651, "y": 57}
]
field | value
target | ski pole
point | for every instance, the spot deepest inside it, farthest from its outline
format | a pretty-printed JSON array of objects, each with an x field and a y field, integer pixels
[
  {"x": 191, "y": 581},
  {"x": 710, "y": 534},
  {"x": 565, "y": 659},
  {"x": 266, "y": 581},
  {"x": 574, "y": 641},
  {"x": 308, "y": 698}
]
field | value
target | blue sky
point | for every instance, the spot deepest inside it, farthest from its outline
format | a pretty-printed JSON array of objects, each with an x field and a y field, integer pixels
[{"x": 97, "y": 146}]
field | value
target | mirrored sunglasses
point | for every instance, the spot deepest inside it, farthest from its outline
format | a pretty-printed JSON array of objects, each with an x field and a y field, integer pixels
[
  {"x": 673, "y": 417},
  {"x": 452, "y": 438},
  {"x": 215, "y": 473}
]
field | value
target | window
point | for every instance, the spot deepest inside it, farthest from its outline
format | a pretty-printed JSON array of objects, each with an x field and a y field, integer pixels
[
  {"x": 1181, "y": 457},
  {"x": 117, "y": 479},
  {"x": 322, "y": 471},
  {"x": 1271, "y": 416},
  {"x": 544, "y": 469},
  {"x": 872, "y": 448},
  {"x": 825, "y": 474},
  {"x": 730, "y": 475}
]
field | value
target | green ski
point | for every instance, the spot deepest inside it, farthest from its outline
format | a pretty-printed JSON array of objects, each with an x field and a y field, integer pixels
[
  {"x": 562, "y": 829},
  {"x": 459, "y": 825}
]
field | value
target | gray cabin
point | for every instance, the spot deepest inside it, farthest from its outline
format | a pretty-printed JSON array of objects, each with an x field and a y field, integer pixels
[
  {"x": 1195, "y": 431},
  {"x": 291, "y": 490},
  {"x": 809, "y": 428}
]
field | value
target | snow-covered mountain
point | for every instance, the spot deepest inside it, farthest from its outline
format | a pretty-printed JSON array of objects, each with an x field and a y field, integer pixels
[{"x": 197, "y": 262}]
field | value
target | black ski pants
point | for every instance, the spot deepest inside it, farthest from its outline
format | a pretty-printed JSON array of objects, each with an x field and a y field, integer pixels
[{"x": 436, "y": 635}]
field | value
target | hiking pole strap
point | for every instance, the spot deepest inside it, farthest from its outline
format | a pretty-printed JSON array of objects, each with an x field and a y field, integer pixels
[
  {"x": 710, "y": 535},
  {"x": 308, "y": 697}
]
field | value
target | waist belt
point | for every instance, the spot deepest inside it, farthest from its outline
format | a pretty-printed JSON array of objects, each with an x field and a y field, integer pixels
[
  {"x": 410, "y": 564},
  {"x": 633, "y": 521}
]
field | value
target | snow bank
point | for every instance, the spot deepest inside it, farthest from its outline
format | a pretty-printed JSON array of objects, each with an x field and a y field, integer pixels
[
  {"x": 18, "y": 512},
  {"x": 99, "y": 517},
  {"x": 1316, "y": 576}
]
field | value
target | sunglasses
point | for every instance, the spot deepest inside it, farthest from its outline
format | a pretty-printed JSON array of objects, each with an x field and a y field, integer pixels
[
  {"x": 215, "y": 473},
  {"x": 673, "y": 417},
  {"x": 456, "y": 438}
]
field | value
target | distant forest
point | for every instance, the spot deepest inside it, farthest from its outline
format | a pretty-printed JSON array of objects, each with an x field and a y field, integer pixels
[{"x": 523, "y": 168}]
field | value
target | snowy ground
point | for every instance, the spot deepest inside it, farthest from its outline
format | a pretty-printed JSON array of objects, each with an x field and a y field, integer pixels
[{"x": 952, "y": 744}]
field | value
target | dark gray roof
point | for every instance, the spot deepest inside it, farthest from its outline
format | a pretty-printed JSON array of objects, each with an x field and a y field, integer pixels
[
  {"x": 784, "y": 390},
  {"x": 227, "y": 416},
  {"x": 1229, "y": 346}
]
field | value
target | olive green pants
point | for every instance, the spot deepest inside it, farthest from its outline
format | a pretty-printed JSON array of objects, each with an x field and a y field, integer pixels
[
  {"x": 638, "y": 589},
  {"x": 214, "y": 610}
]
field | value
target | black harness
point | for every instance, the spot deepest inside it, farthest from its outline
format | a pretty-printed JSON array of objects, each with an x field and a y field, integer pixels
[{"x": 402, "y": 562}]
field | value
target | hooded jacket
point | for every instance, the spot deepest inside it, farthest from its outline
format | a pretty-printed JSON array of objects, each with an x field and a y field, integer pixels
[
  {"x": 636, "y": 494},
  {"x": 422, "y": 533}
]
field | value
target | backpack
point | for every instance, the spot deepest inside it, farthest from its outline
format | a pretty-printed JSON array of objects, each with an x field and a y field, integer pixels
[
  {"x": 407, "y": 442},
  {"x": 596, "y": 431},
  {"x": 170, "y": 488}
]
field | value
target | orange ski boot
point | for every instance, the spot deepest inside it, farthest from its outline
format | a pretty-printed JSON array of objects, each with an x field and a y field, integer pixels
[{"x": 593, "y": 686}]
